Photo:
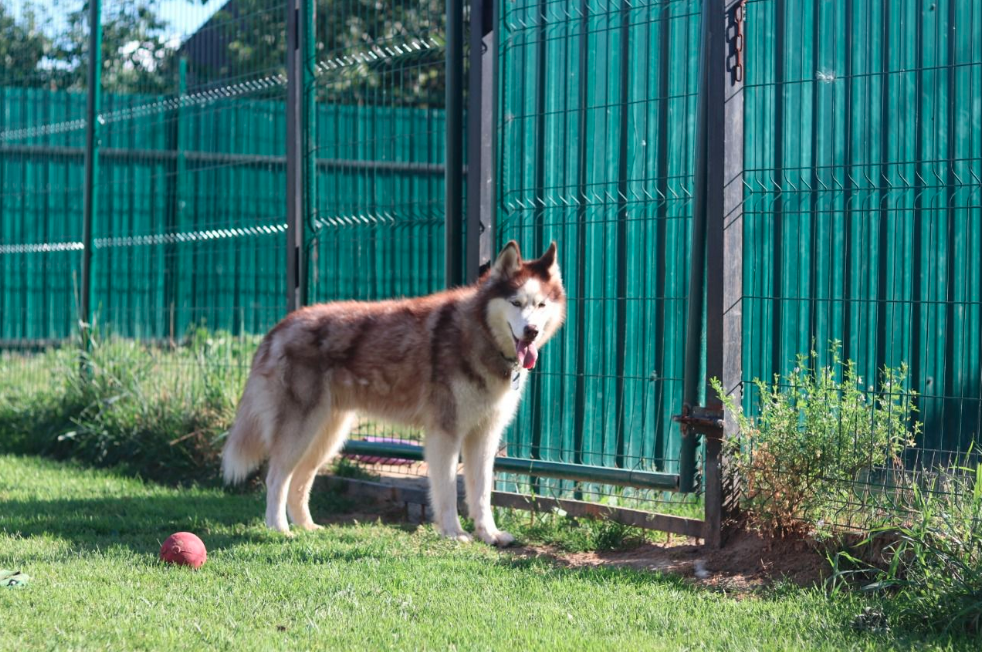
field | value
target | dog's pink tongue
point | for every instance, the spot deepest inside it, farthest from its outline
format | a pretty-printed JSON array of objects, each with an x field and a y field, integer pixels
[{"x": 527, "y": 354}]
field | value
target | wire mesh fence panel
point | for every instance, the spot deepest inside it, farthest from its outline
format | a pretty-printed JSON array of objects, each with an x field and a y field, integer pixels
[
  {"x": 376, "y": 224},
  {"x": 191, "y": 187},
  {"x": 187, "y": 153},
  {"x": 189, "y": 223},
  {"x": 597, "y": 127},
  {"x": 42, "y": 117},
  {"x": 863, "y": 213}
]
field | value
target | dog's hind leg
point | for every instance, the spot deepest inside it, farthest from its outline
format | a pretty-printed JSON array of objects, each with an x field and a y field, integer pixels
[
  {"x": 441, "y": 452},
  {"x": 277, "y": 484},
  {"x": 293, "y": 438},
  {"x": 324, "y": 446}
]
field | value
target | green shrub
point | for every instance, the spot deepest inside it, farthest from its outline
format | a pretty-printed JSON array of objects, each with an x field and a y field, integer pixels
[
  {"x": 31, "y": 405},
  {"x": 930, "y": 563},
  {"x": 817, "y": 430},
  {"x": 159, "y": 412}
]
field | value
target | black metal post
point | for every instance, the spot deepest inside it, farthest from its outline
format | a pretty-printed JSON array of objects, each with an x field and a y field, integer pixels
[
  {"x": 174, "y": 180},
  {"x": 295, "y": 168},
  {"x": 454, "y": 138},
  {"x": 481, "y": 136},
  {"x": 92, "y": 107},
  {"x": 697, "y": 264},
  {"x": 724, "y": 237}
]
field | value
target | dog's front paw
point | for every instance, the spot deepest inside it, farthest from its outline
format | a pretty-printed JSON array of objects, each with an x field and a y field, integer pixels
[
  {"x": 495, "y": 537},
  {"x": 309, "y": 527},
  {"x": 282, "y": 528},
  {"x": 456, "y": 535}
]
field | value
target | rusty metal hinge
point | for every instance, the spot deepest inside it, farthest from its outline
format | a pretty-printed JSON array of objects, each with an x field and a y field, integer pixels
[{"x": 700, "y": 421}]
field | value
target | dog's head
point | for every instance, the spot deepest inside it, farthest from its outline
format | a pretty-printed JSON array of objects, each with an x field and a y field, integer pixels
[{"x": 526, "y": 302}]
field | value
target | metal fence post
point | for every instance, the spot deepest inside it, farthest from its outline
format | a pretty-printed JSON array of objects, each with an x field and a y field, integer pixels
[
  {"x": 724, "y": 236},
  {"x": 482, "y": 87},
  {"x": 454, "y": 138},
  {"x": 715, "y": 319},
  {"x": 310, "y": 137},
  {"x": 89, "y": 204},
  {"x": 695, "y": 317},
  {"x": 296, "y": 170},
  {"x": 174, "y": 190}
]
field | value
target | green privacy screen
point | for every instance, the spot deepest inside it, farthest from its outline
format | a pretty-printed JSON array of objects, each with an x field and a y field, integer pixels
[
  {"x": 376, "y": 230},
  {"x": 862, "y": 204},
  {"x": 597, "y": 132},
  {"x": 189, "y": 228},
  {"x": 40, "y": 230},
  {"x": 863, "y": 213},
  {"x": 191, "y": 220}
]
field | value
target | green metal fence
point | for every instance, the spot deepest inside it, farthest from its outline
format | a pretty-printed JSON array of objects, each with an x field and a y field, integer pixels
[
  {"x": 597, "y": 127},
  {"x": 863, "y": 190},
  {"x": 191, "y": 223},
  {"x": 830, "y": 154}
]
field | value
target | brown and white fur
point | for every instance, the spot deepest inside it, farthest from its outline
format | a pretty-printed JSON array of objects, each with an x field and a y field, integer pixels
[{"x": 447, "y": 363}]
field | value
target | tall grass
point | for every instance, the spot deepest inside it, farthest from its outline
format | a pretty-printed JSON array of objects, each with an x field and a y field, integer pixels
[
  {"x": 158, "y": 411},
  {"x": 929, "y": 562}
]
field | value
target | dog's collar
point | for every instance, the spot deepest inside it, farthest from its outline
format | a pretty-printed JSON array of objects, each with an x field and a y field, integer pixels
[
  {"x": 513, "y": 364},
  {"x": 510, "y": 367}
]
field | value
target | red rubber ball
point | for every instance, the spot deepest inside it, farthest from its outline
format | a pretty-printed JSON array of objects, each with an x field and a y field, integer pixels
[{"x": 184, "y": 549}]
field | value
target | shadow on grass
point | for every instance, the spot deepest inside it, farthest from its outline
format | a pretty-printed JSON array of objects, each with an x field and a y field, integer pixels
[
  {"x": 141, "y": 523},
  {"x": 230, "y": 521}
]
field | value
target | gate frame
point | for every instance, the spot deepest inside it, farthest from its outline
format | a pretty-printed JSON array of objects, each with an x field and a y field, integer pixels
[
  {"x": 719, "y": 168},
  {"x": 716, "y": 264}
]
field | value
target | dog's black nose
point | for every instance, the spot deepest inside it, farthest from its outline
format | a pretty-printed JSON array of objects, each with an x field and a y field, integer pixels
[{"x": 531, "y": 332}]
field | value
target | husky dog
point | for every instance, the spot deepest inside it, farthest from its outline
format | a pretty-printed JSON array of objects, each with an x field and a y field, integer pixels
[{"x": 452, "y": 363}]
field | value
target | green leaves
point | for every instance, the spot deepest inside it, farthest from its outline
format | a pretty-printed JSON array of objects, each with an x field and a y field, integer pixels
[
  {"x": 817, "y": 431},
  {"x": 158, "y": 411}
]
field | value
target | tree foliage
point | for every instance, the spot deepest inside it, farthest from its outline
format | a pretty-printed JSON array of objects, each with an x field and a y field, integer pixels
[
  {"x": 22, "y": 44},
  {"x": 367, "y": 51}
]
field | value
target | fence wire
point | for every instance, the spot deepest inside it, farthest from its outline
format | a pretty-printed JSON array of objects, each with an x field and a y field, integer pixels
[
  {"x": 597, "y": 128},
  {"x": 862, "y": 199},
  {"x": 863, "y": 212}
]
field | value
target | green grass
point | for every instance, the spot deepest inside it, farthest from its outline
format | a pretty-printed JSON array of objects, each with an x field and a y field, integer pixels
[
  {"x": 158, "y": 412},
  {"x": 89, "y": 540}
]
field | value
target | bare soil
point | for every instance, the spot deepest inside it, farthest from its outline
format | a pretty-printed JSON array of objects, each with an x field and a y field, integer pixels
[{"x": 747, "y": 563}]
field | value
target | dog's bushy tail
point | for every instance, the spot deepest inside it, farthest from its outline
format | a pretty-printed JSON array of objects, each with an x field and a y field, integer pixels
[{"x": 245, "y": 447}]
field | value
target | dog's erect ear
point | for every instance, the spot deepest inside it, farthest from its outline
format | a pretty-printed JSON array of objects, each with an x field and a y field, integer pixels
[
  {"x": 509, "y": 260},
  {"x": 546, "y": 264},
  {"x": 548, "y": 259}
]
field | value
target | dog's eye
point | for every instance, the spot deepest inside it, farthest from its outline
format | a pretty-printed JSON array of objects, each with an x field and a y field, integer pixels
[
  {"x": 542, "y": 305},
  {"x": 517, "y": 304}
]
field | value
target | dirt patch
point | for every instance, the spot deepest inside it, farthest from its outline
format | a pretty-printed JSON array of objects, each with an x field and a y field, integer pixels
[
  {"x": 747, "y": 562},
  {"x": 752, "y": 561}
]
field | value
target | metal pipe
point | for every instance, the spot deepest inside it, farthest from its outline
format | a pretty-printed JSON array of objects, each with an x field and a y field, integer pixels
[
  {"x": 543, "y": 468},
  {"x": 295, "y": 170},
  {"x": 697, "y": 266},
  {"x": 89, "y": 207},
  {"x": 482, "y": 87},
  {"x": 454, "y": 140}
]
